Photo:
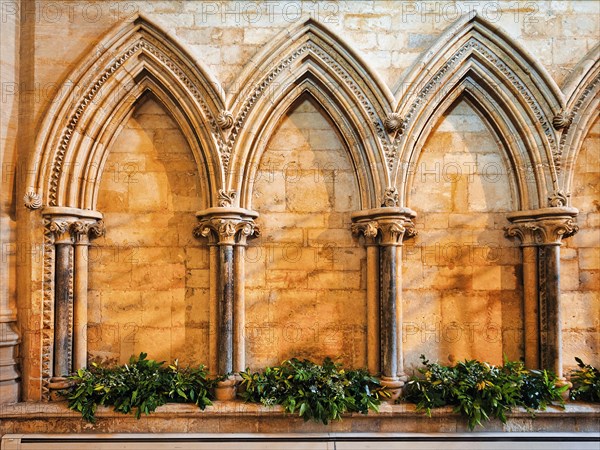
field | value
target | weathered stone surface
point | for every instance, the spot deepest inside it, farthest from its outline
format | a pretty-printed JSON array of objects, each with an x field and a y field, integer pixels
[{"x": 150, "y": 280}]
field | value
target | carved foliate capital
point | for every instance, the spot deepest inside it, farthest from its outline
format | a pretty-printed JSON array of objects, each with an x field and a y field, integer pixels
[
  {"x": 66, "y": 229},
  {"x": 84, "y": 230},
  {"x": 552, "y": 231},
  {"x": 526, "y": 232},
  {"x": 385, "y": 231},
  {"x": 385, "y": 225},
  {"x": 544, "y": 226},
  {"x": 229, "y": 231},
  {"x": 368, "y": 229},
  {"x": 392, "y": 232},
  {"x": 59, "y": 229}
]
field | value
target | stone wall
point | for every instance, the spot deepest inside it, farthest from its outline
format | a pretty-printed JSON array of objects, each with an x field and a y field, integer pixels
[
  {"x": 306, "y": 276},
  {"x": 148, "y": 276},
  {"x": 462, "y": 299},
  {"x": 9, "y": 118},
  {"x": 580, "y": 265}
]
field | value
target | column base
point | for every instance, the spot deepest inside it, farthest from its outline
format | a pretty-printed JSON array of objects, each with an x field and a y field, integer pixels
[
  {"x": 56, "y": 385},
  {"x": 226, "y": 389},
  {"x": 394, "y": 385},
  {"x": 560, "y": 382}
]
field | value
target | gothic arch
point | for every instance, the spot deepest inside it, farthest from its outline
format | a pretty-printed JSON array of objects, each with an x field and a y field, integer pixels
[
  {"x": 136, "y": 57},
  {"x": 311, "y": 59},
  {"x": 515, "y": 94},
  {"x": 582, "y": 90}
]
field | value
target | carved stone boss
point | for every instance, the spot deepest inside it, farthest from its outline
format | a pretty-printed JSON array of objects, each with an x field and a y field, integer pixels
[
  {"x": 384, "y": 230},
  {"x": 227, "y": 229},
  {"x": 70, "y": 231},
  {"x": 541, "y": 232}
]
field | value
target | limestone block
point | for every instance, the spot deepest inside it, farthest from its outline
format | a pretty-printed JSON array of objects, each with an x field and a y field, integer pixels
[
  {"x": 304, "y": 195},
  {"x": 587, "y": 238},
  {"x": 589, "y": 258},
  {"x": 509, "y": 278},
  {"x": 367, "y": 22},
  {"x": 197, "y": 278},
  {"x": 589, "y": 280},
  {"x": 292, "y": 220},
  {"x": 348, "y": 258},
  {"x": 569, "y": 275},
  {"x": 434, "y": 220},
  {"x": 487, "y": 278},
  {"x": 580, "y": 310},
  {"x": 467, "y": 220},
  {"x": 293, "y": 279},
  {"x": 581, "y": 344},
  {"x": 346, "y": 279}
]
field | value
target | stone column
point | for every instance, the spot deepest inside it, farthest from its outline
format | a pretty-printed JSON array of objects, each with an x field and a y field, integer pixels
[
  {"x": 81, "y": 232},
  {"x": 547, "y": 227},
  {"x": 526, "y": 233},
  {"x": 385, "y": 227},
  {"x": 63, "y": 301},
  {"x": 71, "y": 230},
  {"x": 229, "y": 227}
]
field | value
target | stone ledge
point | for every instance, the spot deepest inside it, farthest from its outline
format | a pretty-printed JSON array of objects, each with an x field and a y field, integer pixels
[{"x": 239, "y": 417}]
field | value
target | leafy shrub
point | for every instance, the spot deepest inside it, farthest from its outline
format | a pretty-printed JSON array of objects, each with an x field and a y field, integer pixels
[
  {"x": 539, "y": 389},
  {"x": 586, "y": 383},
  {"x": 143, "y": 385},
  {"x": 318, "y": 392},
  {"x": 481, "y": 391}
]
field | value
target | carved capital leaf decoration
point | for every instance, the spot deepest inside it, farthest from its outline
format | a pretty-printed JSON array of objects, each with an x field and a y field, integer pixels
[
  {"x": 97, "y": 229},
  {"x": 368, "y": 229},
  {"x": 545, "y": 231},
  {"x": 226, "y": 231},
  {"x": 32, "y": 200},
  {"x": 58, "y": 227},
  {"x": 410, "y": 230},
  {"x": 80, "y": 227},
  {"x": 562, "y": 229},
  {"x": 389, "y": 231},
  {"x": 202, "y": 230},
  {"x": 526, "y": 232}
]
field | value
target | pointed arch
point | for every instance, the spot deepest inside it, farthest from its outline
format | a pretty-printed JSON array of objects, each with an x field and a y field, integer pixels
[
  {"x": 582, "y": 89},
  {"x": 513, "y": 92},
  {"x": 135, "y": 58},
  {"x": 310, "y": 59}
]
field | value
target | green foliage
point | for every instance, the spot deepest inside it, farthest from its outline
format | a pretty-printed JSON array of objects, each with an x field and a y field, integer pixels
[
  {"x": 539, "y": 390},
  {"x": 318, "y": 392},
  {"x": 586, "y": 383},
  {"x": 481, "y": 391},
  {"x": 143, "y": 385}
]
